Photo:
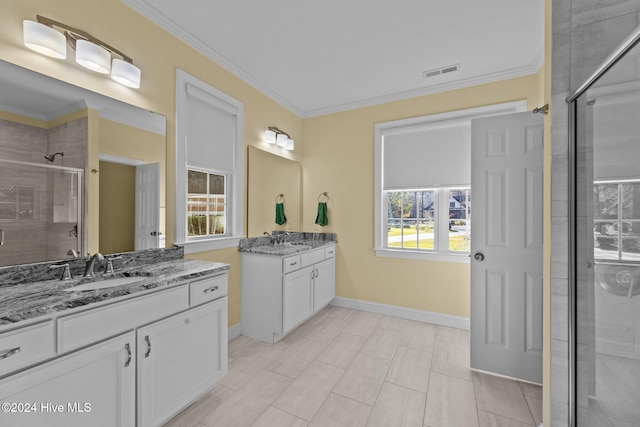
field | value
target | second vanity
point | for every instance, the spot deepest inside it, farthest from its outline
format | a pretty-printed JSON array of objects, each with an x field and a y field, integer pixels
[
  {"x": 285, "y": 284},
  {"x": 134, "y": 354}
]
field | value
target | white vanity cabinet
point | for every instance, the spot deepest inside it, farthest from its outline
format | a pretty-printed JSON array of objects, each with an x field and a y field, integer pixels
[
  {"x": 92, "y": 386},
  {"x": 297, "y": 298},
  {"x": 324, "y": 281},
  {"x": 279, "y": 293},
  {"x": 26, "y": 345},
  {"x": 179, "y": 359},
  {"x": 134, "y": 362}
]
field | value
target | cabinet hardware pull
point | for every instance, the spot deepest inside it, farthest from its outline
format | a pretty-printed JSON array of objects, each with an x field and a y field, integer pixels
[
  {"x": 215, "y": 288},
  {"x": 1, "y": 237},
  {"x": 148, "y": 341},
  {"x": 9, "y": 353},
  {"x": 128, "y": 348},
  {"x": 292, "y": 264},
  {"x": 317, "y": 273}
]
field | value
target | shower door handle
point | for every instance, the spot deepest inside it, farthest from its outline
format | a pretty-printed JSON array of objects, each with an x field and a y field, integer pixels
[{"x": 1, "y": 237}]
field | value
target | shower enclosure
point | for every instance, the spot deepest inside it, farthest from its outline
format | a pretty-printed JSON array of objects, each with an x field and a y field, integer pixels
[
  {"x": 40, "y": 212},
  {"x": 605, "y": 248}
]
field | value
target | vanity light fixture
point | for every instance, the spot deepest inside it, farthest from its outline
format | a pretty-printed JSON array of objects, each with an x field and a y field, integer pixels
[
  {"x": 44, "y": 39},
  {"x": 273, "y": 135},
  {"x": 94, "y": 54},
  {"x": 93, "y": 57},
  {"x": 270, "y": 136}
]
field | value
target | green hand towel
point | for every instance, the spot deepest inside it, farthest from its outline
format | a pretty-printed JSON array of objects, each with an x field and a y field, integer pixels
[
  {"x": 280, "y": 218},
  {"x": 321, "y": 218}
]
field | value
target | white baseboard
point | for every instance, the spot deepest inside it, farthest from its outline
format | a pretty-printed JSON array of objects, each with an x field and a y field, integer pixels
[
  {"x": 403, "y": 312},
  {"x": 235, "y": 331}
]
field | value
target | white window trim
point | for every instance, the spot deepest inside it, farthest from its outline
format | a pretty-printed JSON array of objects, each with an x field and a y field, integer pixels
[
  {"x": 412, "y": 125},
  {"x": 188, "y": 84}
]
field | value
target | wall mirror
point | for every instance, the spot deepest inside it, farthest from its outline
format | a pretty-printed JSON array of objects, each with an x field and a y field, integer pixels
[
  {"x": 272, "y": 179},
  {"x": 71, "y": 164}
]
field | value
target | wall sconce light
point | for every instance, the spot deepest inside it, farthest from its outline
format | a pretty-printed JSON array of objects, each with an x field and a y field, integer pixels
[
  {"x": 273, "y": 135},
  {"x": 94, "y": 54}
]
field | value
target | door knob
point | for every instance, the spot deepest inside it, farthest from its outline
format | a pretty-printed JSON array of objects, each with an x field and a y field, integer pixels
[{"x": 479, "y": 256}]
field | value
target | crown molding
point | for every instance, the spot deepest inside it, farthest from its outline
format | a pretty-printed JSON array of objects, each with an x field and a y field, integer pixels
[{"x": 532, "y": 68}]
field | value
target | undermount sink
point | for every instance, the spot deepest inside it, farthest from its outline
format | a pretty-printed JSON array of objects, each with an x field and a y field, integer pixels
[{"x": 102, "y": 284}]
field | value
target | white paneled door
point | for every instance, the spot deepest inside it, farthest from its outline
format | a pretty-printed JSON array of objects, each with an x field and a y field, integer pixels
[
  {"x": 147, "y": 206},
  {"x": 506, "y": 245}
]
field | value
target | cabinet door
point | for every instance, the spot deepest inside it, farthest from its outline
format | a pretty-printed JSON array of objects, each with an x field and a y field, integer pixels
[
  {"x": 179, "y": 359},
  {"x": 90, "y": 387},
  {"x": 324, "y": 286},
  {"x": 297, "y": 298}
]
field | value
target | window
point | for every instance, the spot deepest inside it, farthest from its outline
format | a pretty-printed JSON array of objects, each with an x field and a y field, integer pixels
[
  {"x": 209, "y": 159},
  {"x": 415, "y": 219},
  {"x": 616, "y": 231},
  {"x": 206, "y": 204},
  {"x": 423, "y": 185}
]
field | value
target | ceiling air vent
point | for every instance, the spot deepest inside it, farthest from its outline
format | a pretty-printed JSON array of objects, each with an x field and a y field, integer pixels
[{"x": 439, "y": 71}]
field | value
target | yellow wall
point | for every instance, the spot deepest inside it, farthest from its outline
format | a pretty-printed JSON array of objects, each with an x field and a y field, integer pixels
[
  {"x": 117, "y": 208},
  {"x": 11, "y": 117},
  {"x": 339, "y": 159}
]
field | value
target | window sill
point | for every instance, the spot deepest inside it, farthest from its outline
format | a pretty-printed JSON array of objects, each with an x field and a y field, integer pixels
[
  {"x": 196, "y": 246},
  {"x": 462, "y": 258}
]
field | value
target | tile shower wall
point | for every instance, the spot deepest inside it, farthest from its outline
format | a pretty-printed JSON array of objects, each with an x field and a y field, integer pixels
[
  {"x": 584, "y": 33},
  {"x": 29, "y": 144}
]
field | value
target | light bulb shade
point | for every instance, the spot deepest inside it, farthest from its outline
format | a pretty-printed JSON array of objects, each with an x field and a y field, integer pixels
[
  {"x": 44, "y": 39},
  {"x": 93, "y": 57},
  {"x": 281, "y": 139},
  {"x": 269, "y": 136},
  {"x": 125, "y": 73},
  {"x": 289, "y": 144}
]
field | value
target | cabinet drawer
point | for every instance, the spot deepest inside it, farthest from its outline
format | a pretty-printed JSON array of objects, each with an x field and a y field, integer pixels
[
  {"x": 208, "y": 289},
  {"x": 291, "y": 263},
  {"x": 23, "y": 346},
  {"x": 312, "y": 257},
  {"x": 330, "y": 252},
  {"x": 87, "y": 327}
]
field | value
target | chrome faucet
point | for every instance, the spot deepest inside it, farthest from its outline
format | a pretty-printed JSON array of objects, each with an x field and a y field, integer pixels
[{"x": 88, "y": 271}]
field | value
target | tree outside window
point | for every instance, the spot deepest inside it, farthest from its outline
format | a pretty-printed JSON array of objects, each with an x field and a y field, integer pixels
[
  {"x": 616, "y": 216},
  {"x": 416, "y": 219},
  {"x": 206, "y": 203}
]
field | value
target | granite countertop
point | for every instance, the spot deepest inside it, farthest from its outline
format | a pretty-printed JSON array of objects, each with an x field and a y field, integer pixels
[
  {"x": 46, "y": 298},
  {"x": 292, "y": 244}
]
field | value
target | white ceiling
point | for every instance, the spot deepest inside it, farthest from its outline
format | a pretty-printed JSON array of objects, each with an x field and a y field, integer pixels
[{"x": 318, "y": 57}]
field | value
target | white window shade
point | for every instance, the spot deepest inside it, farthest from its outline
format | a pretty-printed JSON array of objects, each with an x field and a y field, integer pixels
[
  {"x": 211, "y": 134},
  {"x": 426, "y": 158}
]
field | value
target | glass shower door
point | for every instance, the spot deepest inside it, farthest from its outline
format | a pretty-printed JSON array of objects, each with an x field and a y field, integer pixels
[
  {"x": 607, "y": 248},
  {"x": 40, "y": 212}
]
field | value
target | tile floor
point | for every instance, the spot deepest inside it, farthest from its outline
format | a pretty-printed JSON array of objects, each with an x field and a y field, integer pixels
[{"x": 349, "y": 368}]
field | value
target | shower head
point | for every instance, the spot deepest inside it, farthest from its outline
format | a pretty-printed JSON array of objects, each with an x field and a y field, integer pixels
[{"x": 51, "y": 157}]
